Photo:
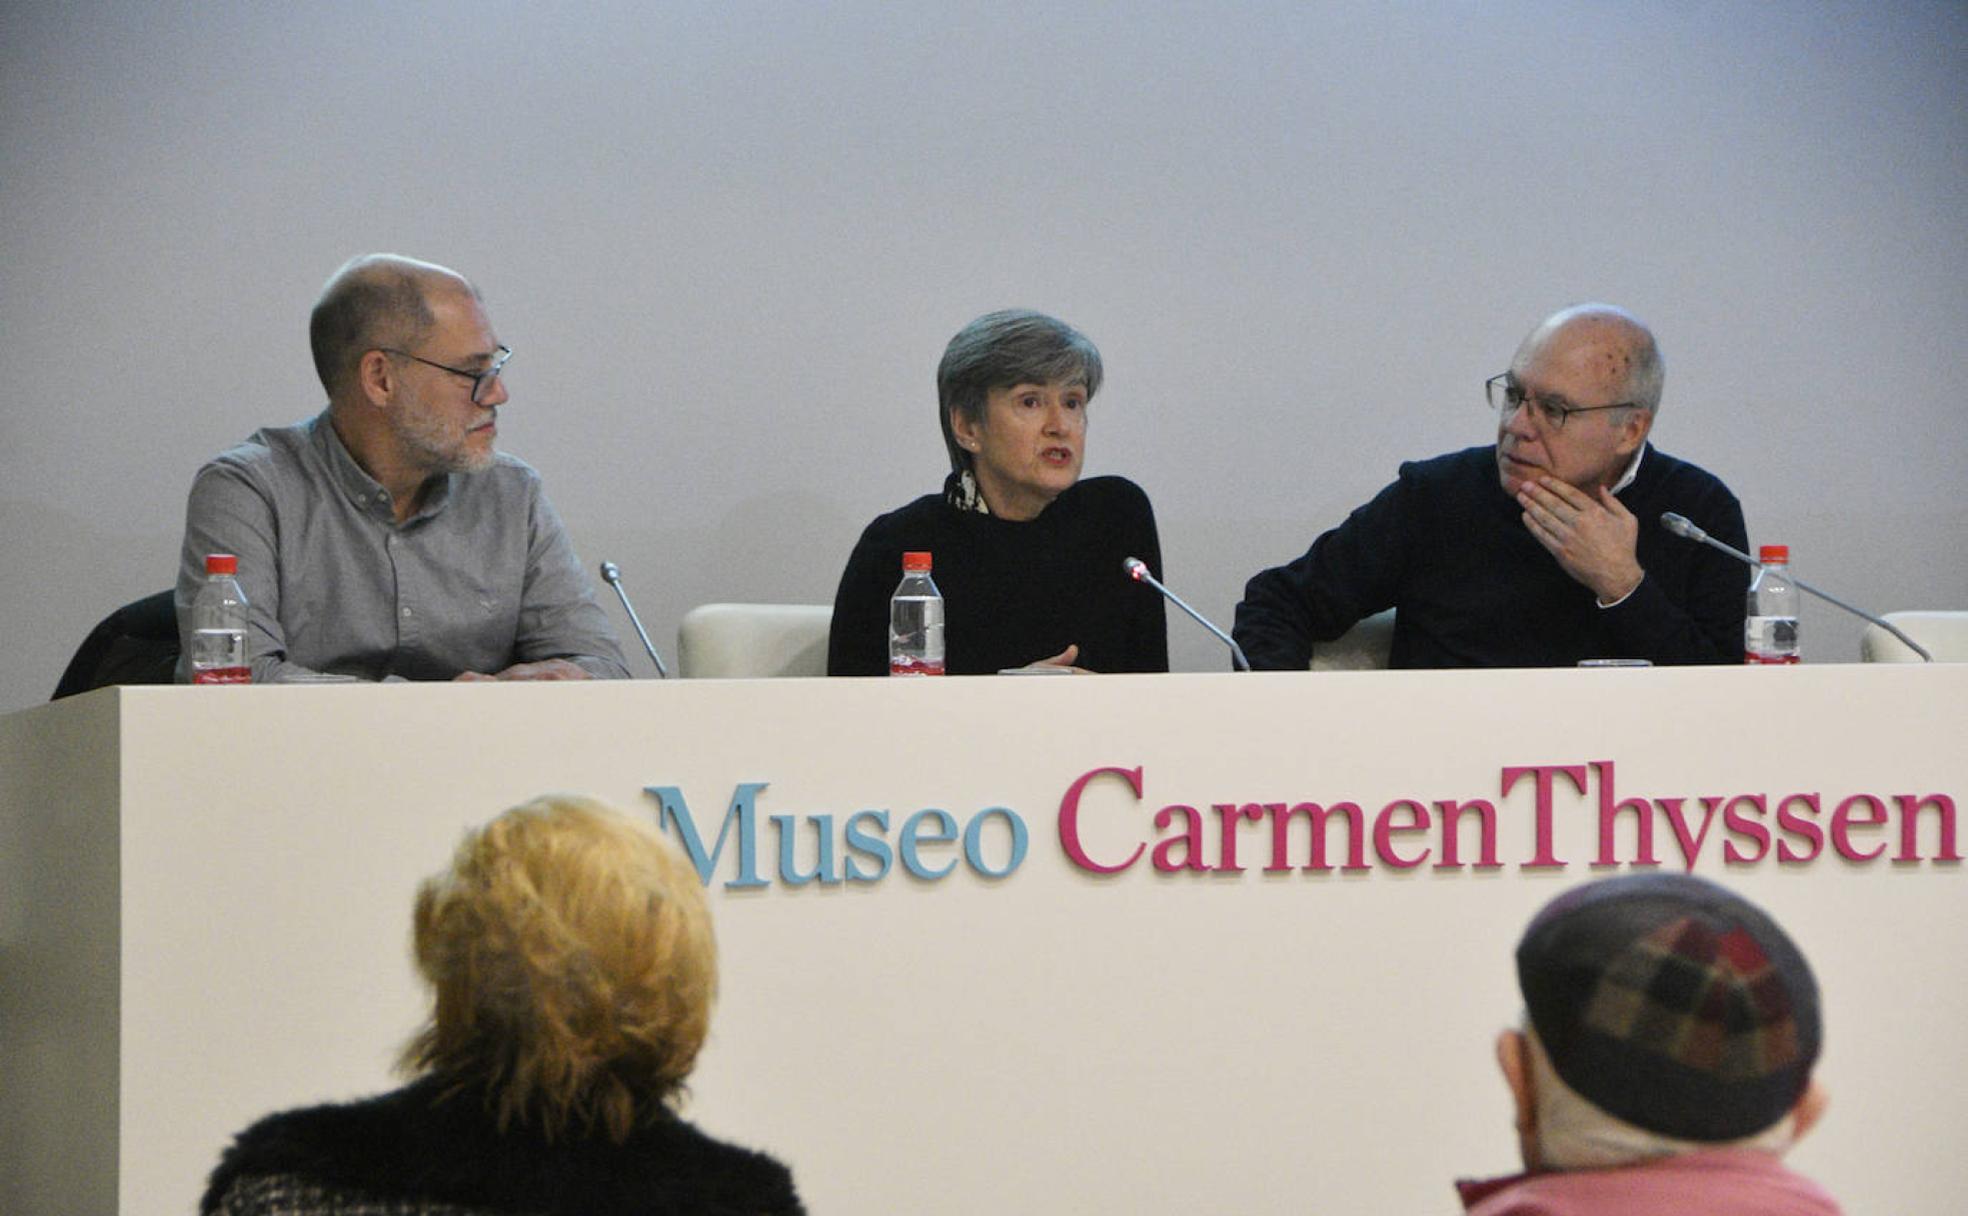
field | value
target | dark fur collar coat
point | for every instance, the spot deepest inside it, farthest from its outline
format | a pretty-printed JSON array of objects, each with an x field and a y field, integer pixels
[{"x": 413, "y": 1151}]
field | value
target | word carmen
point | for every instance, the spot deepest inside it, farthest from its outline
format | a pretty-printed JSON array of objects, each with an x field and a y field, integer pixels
[{"x": 1407, "y": 833}]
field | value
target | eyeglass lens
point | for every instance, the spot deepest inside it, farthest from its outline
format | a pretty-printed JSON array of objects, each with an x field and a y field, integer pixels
[{"x": 482, "y": 383}]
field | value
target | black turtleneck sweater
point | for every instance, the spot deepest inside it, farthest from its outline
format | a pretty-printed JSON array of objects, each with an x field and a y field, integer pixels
[
  {"x": 1013, "y": 591},
  {"x": 1446, "y": 547}
]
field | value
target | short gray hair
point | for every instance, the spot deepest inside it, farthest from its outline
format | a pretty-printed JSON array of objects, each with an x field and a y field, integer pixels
[
  {"x": 1001, "y": 349},
  {"x": 374, "y": 300},
  {"x": 1648, "y": 375}
]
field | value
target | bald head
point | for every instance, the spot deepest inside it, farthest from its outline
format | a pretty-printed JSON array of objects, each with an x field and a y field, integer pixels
[
  {"x": 1618, "y": 346},
  {"x": 375, "y": 300}
]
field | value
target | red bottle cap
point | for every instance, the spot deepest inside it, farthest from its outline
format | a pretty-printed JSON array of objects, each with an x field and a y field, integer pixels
[
  {"x": 915, "y": 563},
  {"x": 221, "y": 563},
  {"x": 1774, "y": 555}
]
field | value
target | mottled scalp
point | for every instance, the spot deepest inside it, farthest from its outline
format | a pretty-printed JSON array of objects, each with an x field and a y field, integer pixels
[{"x": 1634, "y": 356}]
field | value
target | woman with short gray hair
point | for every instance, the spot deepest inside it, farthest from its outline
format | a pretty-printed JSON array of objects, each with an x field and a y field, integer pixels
[{"x": 1027, "y": 555}]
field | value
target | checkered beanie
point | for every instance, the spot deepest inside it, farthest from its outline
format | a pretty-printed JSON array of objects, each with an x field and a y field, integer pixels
[{"x": 1668, "y": 1002}]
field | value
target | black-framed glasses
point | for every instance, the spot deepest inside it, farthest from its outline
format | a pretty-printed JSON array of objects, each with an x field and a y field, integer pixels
[
  {"x": 481, "y": 381},
  {"x": 1506, "y": 396}
]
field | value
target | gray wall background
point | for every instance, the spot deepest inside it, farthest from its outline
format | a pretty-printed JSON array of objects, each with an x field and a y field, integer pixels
[{"x": 728, "y": 243}]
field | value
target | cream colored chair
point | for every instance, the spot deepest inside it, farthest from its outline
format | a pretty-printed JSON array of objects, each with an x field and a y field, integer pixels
[
  {"x": 1364, "y": 647},
  {"x": 1944, "y": 634},
  {"x": 745, "y": 641}
]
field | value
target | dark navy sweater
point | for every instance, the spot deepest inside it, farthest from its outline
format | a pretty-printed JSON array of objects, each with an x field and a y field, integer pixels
[{"x": 1446, "y": 547}]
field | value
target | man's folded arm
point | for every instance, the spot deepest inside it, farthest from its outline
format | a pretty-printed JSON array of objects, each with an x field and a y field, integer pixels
[
  {"x": 1349, "y": 573},
  {"x": 227, "y": 513},
  {"x": 1708, "y": 626},
  {"x": 1272, "y": 624},
  {"x": 559, "y": 616}
]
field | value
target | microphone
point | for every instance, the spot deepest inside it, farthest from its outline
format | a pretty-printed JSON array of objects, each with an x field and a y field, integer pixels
[
  {"x": 1138, "y": 571},
  {"x": 1685, "y": 528},
  {"x": 612, "y": 575}
]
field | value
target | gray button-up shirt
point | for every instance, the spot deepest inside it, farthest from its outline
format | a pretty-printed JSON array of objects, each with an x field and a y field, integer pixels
[{"x": 482, "y": 577}]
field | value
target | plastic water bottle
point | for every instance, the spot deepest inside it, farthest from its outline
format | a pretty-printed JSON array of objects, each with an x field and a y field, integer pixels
[
  {"x": 218, "y": 626},
  {"x": 915, "y": 621},
  {"x": 1770, "y": 633}
]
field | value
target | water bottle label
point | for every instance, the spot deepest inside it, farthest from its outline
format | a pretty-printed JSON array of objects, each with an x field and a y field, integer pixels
[
  {"x": 218, "y": 656},
  {"x": 222, "y": 675},
  {"x": 1770, "y": 640},
  {"x": 915, "y": 635}
]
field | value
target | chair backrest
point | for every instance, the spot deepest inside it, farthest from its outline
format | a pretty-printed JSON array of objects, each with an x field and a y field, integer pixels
[
  {"x": 1944, "y": 634},
  {"x": 136, "y": 644},
  {"x": 740, "y": 641},
  {"x": 1364, "y": 647}
]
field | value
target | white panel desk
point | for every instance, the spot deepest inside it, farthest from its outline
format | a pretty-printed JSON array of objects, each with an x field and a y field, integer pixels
[{"x": 205, "y": 893}]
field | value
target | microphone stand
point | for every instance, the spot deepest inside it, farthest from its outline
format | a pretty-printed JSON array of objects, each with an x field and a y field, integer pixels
[
  {"x": 612, "y": 575},
  {"x": 1685, "y": 528},
  {"x": 1138, "y": 571}
]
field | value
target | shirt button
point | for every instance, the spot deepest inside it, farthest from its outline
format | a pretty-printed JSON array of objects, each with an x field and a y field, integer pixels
[{"x": 406, "y": 612}]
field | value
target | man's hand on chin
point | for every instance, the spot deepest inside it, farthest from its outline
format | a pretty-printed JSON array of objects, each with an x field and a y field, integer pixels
[{"x": 1592, "y": 537}]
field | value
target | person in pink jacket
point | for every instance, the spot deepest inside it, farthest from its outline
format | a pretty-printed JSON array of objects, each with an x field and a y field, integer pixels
[{"x": 1664, "y": 1064}]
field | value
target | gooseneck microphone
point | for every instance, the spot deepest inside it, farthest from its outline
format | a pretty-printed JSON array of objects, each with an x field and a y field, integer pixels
[
  {"x": 1685, "y": 528},
  {"x": 1138, "y": 571},
  {"x": 612, "y": 575}
]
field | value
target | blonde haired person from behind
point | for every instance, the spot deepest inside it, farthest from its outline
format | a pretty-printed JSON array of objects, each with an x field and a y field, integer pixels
[
  {"x": 572, "y": 968},
  {"x": 1665, "y": 1062}
]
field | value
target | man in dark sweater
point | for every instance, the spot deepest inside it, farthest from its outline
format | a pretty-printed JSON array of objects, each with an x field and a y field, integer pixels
[{"x": 1539, "y": 550}]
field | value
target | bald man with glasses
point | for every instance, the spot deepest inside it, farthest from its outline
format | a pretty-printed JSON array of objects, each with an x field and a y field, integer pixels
[
  {"x": 387, "y": 537},
  {"x": 1542, "y": 549}
]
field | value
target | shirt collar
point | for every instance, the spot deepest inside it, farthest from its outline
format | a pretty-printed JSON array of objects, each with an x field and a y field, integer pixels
[
  {"x": 363, "y": 490},
  {"x": 1632, "y": 470},
  {"x": 1473, "y": 1191}
]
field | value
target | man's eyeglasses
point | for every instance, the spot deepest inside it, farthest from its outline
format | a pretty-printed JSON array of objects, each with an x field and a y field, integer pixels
[
  {"x": 481, "y": 381},
  {"x": 1506, "y": 396}
]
